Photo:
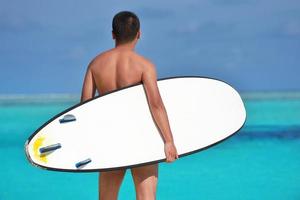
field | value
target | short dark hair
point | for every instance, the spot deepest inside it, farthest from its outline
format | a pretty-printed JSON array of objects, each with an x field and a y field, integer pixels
[{"x": 125, "y": 26}]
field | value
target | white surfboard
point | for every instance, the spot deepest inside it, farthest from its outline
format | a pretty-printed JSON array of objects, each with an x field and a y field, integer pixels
[{"x": 117, "y": 131}]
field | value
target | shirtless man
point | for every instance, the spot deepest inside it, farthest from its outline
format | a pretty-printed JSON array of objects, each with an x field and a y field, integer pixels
[{"x": 118, "y": 68}]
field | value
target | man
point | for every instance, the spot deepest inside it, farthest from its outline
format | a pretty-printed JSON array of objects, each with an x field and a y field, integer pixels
[{"x": 118, "y": 68}]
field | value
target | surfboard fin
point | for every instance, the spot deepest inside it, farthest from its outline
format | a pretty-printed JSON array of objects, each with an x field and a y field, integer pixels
[
  {"x": 82, "y": 163},
  {"x": 50, "y": 148},
  {"x": 67, "y": 118}
]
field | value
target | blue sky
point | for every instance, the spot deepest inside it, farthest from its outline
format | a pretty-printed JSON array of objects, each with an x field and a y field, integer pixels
[{"x": 254, "y": 45}]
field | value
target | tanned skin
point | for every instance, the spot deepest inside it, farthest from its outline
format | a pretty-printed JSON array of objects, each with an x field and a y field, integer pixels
[{"x": 115, "y": 69}]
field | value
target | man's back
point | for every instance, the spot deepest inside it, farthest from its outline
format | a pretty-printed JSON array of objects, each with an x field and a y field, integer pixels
[{"x": 117, "y": 68}]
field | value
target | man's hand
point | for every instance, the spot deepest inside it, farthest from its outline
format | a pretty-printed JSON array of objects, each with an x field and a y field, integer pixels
[{"x": 170, "y": 151}]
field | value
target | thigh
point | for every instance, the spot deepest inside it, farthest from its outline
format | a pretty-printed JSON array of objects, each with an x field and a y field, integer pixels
[
  {"x": 145, "y": 181},
  {"x": 109, "y": 184}
]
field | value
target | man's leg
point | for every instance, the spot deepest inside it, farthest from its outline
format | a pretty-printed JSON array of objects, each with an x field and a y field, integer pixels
[
  {"x": 109, "y": 184},
  {"x": 145, "y": 181}
]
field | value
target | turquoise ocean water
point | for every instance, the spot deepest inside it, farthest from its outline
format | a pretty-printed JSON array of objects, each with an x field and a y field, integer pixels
[{"x": 262, "y": 161}]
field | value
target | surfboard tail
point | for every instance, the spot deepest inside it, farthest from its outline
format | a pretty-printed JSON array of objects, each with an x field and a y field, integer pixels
[{"x": 27, "y": 155}]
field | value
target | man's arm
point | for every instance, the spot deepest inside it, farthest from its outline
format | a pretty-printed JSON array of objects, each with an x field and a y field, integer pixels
[
  {"x": 158, "y": 111},
  {"x": 89, "y": 86}
]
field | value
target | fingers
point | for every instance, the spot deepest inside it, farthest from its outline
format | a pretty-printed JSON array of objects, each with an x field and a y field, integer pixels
[
  {"x": 171, "y": 153},
  {"x": 169, "y": 160},
  {"x": 171, "y": 157}
]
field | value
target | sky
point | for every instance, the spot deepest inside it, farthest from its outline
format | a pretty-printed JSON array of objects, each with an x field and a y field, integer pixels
[{"x": 254, "y": 45}]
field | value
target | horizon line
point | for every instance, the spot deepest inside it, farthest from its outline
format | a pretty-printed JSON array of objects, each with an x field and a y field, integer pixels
[{"x": 247, "y": 95}]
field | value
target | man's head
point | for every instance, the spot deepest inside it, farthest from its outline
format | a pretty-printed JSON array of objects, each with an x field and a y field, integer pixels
[{"x": 126, "y": 27}]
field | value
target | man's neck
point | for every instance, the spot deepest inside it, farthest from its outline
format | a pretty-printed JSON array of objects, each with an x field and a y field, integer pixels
[{"x": 126, "y": 46}]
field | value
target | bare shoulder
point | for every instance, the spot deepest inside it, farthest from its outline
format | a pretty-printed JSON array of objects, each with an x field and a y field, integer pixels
[
  {"x": 100, "y": 59},
  {"x": 146, "y": 63}
]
